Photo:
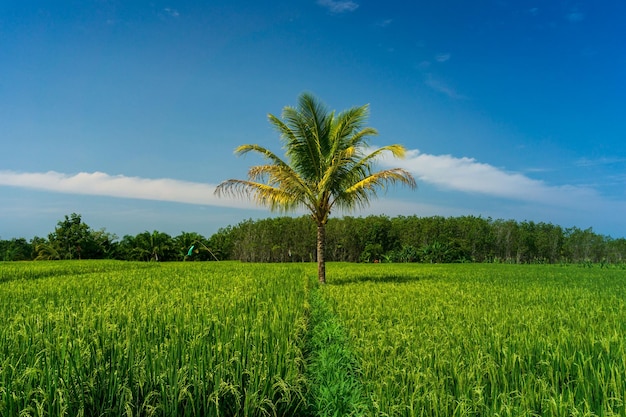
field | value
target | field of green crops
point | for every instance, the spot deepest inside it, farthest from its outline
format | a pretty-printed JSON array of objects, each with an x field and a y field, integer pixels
[
  {"x": 113, "y": 339},
  {"x": 486, "y": 340},
  {"x": 102, "y": 338}
]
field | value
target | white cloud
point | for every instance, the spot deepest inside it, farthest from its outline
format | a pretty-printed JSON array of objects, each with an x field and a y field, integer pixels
[
  {"x": 518, "y": 195},
  {"x": 171, "y": 12},
  {"x": 470, "y": 176},
  {"x": 442, "y": 57},
  {"x": 586, "y": 162},
  {"x": 442, "y": 87},
  {"x": 102, "y": 184},
  {"x": 339, "y": 6},
  {"x": 384, "y": 23}
]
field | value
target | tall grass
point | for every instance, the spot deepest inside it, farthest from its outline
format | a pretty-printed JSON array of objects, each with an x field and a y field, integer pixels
[
  {"x": 187, "y": 339},
  {"x": 474, "y": 340},
  {"x": 335, "y": 387},
  {"x": 229, "y": 339},
  {"x": 34, "y": 270}
]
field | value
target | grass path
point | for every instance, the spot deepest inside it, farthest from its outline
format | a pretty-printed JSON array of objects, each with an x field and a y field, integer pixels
[{"x": 332, "y": 368}]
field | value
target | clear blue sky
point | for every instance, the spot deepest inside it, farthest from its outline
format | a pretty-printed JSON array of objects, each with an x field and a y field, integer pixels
[{"x": 128, "y": 112}]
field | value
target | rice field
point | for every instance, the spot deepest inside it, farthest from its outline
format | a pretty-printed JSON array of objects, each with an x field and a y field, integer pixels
[
  {"x": 486, "y": 340},
  {"x": 103, "y": 338},
  {"x": 129, "y": 339}
]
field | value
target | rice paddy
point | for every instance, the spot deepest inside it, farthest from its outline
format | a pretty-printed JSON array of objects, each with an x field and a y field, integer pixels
[
  {"x": 165, "y": 340},
  {"x": 102, "y": 338},
  {"x": 481, "y": 340}
]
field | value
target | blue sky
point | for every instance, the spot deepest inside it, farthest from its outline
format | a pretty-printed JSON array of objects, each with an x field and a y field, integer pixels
[{"x": 128, "y": 112}]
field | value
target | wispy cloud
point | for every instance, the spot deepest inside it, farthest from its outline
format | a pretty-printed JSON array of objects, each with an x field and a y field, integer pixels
[
  {"x": 442, "y": 87},
  {"x": 575, "y": 16},
  {"x": 171, "y": 12},
  {"x": 470, "y": 176},
  {"x": 442, "y": 57},
  {"x": 102, "y": 184},
  {"x": 586, "y": 162},
  {"x": 384, "y": 23},
  {"x": 339, "y": 6}
]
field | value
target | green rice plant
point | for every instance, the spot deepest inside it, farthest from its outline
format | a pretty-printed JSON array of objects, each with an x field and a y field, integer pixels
[
  {"x": 42, "y": 269},
  {"x": 486, "y": 340},
  {"x": 334, "y": 377},
  {"x": 184, "y": 339},
  {"x": 223, "y": 339}
]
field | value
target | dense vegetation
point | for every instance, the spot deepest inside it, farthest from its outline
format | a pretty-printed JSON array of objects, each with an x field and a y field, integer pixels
[
  {"x": 113, "y": 338},
  {"x": 97, "y": 338},
  {"x": 349, "y": 239},
  {"x": 427, "y": 239},
  {"x": 486, "y": 340}
]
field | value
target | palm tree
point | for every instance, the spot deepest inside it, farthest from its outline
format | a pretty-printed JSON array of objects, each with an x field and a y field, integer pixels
[
  {"x": 155, "y": 246},
  {"x": 328, "y": 164},
  {"x": 47, "y": 251}
]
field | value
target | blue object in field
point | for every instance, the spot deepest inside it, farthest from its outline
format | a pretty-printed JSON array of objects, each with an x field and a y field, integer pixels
[{"x": 190, "y": 250}]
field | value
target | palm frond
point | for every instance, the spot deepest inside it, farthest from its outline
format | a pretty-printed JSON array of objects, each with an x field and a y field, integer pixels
[
  {"x": 360, "y": 193},
  {"x": 349, "y": 126},
  {"x": 286, "y": 134},
  {"x": 302, "y": 143},
  {"x": 276, "y": 199},
  {"x": 280, "y": 177},
  {"x": 266, "y": 153},
  {"x": 359, "y": 138},
  {"x": 396, "y": 150}
]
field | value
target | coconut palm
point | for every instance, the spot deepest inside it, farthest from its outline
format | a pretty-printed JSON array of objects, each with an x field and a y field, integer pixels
[
  {"x": 47, "y": 251},
  {"x": 328, "y": 165}
]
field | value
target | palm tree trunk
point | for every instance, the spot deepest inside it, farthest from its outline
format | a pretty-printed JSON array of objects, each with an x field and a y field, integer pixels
[{"x": 321, "y": 245}]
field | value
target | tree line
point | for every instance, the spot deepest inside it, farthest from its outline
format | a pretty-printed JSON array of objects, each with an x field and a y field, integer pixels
[
  {"x": 74, "y": 239},
  {"x": 433, "y": 239}
]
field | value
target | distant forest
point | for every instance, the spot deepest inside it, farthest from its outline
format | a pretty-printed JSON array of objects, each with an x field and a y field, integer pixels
[{"x": 349, "y": 239}]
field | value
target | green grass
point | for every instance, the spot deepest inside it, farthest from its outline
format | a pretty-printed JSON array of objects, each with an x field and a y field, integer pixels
[
  {"x": 165, "y": 340},
  {"x": 102, "y": 338},
  {"x": 486, "y": 340},
  {"x": 333, "y": 369}
]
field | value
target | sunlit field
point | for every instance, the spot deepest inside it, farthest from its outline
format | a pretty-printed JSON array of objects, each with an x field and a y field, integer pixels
[
  {"x": 102, "y": 338},
  {"x": 486, "y": 340},
  {"x": 197, "y": 339}
]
